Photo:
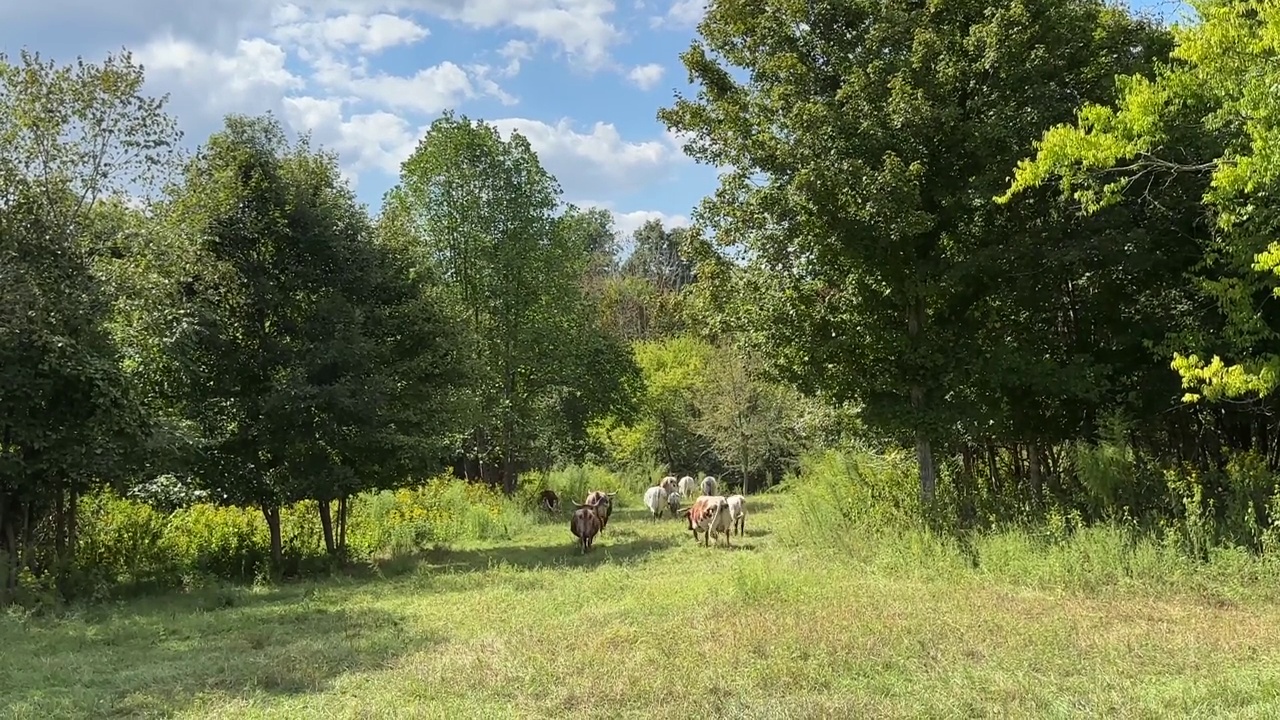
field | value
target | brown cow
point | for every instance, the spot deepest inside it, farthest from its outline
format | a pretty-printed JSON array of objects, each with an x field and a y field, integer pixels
[
  {"x": 710, "y": 514},
  {"x": 585, "y": 525},
  {"x": 603, "y": 504},
  {"x": 548, "y": 500}
]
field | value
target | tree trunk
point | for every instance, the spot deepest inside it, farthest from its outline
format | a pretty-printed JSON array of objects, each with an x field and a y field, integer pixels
[
  {"x": 73, "y": 523},
  {"x": 509, "y": 479},
  {"x": 11, "y": 556},
  {"x": 993, "y": 469},
  {"x": 342, "y": 523},
  {"x": 1033, "y": 471},
  {"x": 60, "y": 524},
  {"x": 924, "y": 453},
  {"x": 480, "y": 450},
  {"x": 928, "y": 473},
  {"x": 271, "y": 513},
  {"x": 326, "y": 524}
]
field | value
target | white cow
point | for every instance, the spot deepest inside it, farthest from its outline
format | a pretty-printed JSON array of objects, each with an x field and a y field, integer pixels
[
  {"x": 668, "y": 483},
  {"x": 738, "y": 512},
  {"x": 655, "y": 498},
  {"x": 687, "y": 486},
  {"x": 708, "y": 485}
]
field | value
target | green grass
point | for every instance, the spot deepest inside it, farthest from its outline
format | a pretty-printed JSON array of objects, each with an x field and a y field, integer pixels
[{"x": 648, "y": 625}]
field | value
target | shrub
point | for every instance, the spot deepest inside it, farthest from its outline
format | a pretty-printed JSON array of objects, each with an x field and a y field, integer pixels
[
  {"x": 444, "y": 510},
  {"x": 121, "y": 543}
]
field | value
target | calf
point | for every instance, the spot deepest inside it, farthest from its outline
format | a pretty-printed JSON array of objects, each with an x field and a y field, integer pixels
[
  {"x": 710, "y": 514},
  {"x": 673, "y": 503},
  {"x": 687, "y": 486},
  {"x": 548, "y": 500},
  {"x": 585, "y": 525},
  {"x": 603, "y": 504},
  {"x": 738, "y": 511},
  {"x": 655, "y": 498}
]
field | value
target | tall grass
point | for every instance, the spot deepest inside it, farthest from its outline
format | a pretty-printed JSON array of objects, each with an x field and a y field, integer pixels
[
  {"x": 573, "y": 484},
  {"x": 864, "y": 508}
]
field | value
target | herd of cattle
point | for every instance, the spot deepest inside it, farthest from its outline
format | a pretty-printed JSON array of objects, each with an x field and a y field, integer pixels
[{"x": 710, "y": 514}]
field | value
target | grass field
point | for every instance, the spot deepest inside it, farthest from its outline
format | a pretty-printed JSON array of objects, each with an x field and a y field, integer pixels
[{"x": 648, "y": 625}]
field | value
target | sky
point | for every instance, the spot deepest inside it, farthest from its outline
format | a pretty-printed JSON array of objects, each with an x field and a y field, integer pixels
[{"x": 581, "y": 79}]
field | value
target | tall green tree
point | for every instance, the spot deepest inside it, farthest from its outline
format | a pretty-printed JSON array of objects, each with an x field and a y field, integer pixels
[
  {"x": 298, "y": 353},
  {"x": 70, "y": 136},
  {"x": 865, "y": 139},
  {"x": 484, "y": 213},
  {"x": 1209, "y": 113}
]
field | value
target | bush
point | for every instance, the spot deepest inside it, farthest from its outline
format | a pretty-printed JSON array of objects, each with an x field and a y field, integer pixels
[{"x": 126, "y": 545}]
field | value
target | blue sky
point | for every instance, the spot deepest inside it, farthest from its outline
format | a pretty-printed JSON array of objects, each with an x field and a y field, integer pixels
[{"x": 582, "y": 79}]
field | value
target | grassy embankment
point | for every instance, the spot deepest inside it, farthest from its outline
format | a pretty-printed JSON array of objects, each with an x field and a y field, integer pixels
[{"x": 650, "y": 625}]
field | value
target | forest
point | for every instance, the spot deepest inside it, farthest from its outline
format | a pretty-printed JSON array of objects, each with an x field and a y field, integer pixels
[{"x": 1021, "y": 254}]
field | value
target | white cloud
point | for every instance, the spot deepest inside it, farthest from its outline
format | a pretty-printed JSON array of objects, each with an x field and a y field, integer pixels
[
  {"x": 581, "y": 28},
  {"x": 370, "y": 141},
  {"x": 587, "y": 162},
  {"x": 681, "y": 14},
  {"x": 627, "y": 223},
  {"x": 429, "y": 90},
  {"x": 515, "y": 52},
  {"x": 482, "y": 75},
  {"x": 371, "y": 34},
  {"x": 219, "y": 82},
  {"x": 646, "y": 77}
]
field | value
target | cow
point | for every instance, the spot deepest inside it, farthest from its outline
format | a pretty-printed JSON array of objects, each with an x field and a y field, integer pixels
[
  {"x": 548, "y": 500},
  {"x": 708, "y": 485},
  {"x": 585, "y": 525},
  {"x": 655, "y": 498},
  {"x": 603, "y": 504},
  {"x": 687, "y": 486},
  {"x": 668, "y": 483},
  {"x": 710, "y": 514},
  {"x": 738, "y": 511}
]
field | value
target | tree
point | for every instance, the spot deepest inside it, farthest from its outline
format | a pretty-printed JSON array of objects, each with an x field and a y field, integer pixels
[
  {"x": 381, "y": 362},
  {"x": 299, "y": 355},
  {"x": 657, "y": 256},
  {"x": 69, "y": 137},
  {"x": 862, "y": 145},
  {"x": 746, "y": 419},
  {"x": 483, "y": 211},
  {"x": 1220, "y": 83},
  {"x": 664, "y": 426}
]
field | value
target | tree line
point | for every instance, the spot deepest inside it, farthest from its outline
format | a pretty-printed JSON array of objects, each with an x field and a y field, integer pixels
[{"x": 231, "y": 325}]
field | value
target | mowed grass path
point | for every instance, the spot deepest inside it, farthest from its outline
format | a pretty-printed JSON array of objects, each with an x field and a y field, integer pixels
[{"x": 648, "y": 625}]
